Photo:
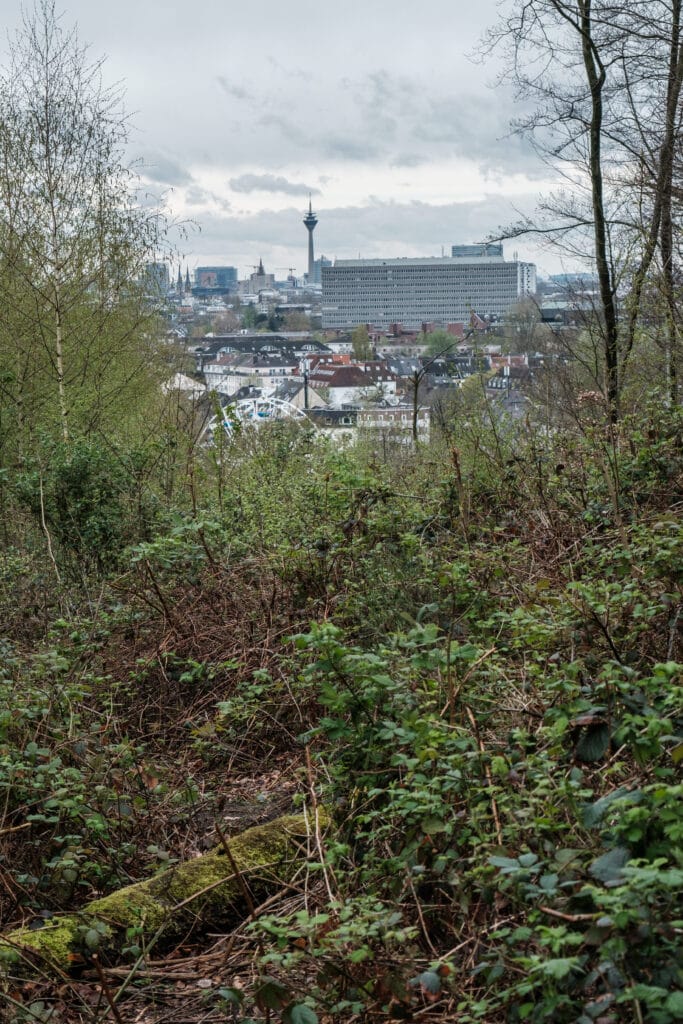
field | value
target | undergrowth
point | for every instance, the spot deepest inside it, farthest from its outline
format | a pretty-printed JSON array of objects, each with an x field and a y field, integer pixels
[{"x": 471, "y": 655}]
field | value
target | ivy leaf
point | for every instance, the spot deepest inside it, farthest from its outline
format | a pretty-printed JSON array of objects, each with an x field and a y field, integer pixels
[
  {"x": 593, "y": 743},
  {"x": 608, "y": 868}
]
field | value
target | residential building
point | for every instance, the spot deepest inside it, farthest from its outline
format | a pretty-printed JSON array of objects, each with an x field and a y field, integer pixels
[
  {"x": 350, "y": 385},
  {"x": 414, "y": 291},
  {"x": 395, "y": 424},
  {"x": 286, "y": 344},
  {"x": 235, "y": 370},
  {"x": 338, "y": 424}
]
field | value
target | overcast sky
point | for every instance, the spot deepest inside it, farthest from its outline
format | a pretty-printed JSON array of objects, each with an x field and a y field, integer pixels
[{"x": 240, "y": 110}]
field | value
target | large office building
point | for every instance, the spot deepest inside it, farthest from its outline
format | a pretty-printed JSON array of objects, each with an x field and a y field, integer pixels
[
  {"x": 412, "y": 291},
  {"x": 216, "y": 279}
]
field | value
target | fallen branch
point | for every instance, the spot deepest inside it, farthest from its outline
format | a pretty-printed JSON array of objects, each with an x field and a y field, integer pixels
[{"x": 208, "y": 888}]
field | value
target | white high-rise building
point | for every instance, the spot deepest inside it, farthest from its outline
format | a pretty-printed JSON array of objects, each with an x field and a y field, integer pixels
[{"x": 413, "y": 291}]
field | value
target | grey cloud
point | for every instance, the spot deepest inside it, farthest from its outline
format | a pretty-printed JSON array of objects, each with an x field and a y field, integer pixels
[
  {"x": 351, "y": 147},
  {"x": 271, "y": 183},
  {"x": 196, "y": 196},
  {"x": 382, "y": 116},
  {"x": 164, "y": 170},
  {"x": 291, "y": 132},
  {"x": 286, "y": 72},
  {"x": 477, "y": 126},
  {"x": 236, "y": 92},
  {"x": 379, "y": 228},
  {"x": 408, "y": 160}
]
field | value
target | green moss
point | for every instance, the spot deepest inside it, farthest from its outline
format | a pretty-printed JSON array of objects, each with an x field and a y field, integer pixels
[
  {"x": 265, "y": 854},
  {"x": 130, "y": 907},
  {"x": 53, "y": 943}
]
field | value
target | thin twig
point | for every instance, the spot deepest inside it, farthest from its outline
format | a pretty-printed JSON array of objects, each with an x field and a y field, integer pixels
[
  {"x": 487, "y": 772},
  {"x": 316, "y": 819},
  {"x": 43, "y": 524},
  {"x": 567, "y": 917},
  {"x": 106, "y": 990}
]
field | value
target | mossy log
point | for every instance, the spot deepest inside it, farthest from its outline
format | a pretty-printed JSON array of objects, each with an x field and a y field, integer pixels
[{"x": 202, "y": 890}]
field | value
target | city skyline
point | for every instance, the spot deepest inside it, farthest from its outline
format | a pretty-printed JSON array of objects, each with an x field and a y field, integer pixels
[{"x": 238, "y": 114}]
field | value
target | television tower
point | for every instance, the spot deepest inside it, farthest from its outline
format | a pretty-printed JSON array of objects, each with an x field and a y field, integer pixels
[{"x": 310, "y": 220}]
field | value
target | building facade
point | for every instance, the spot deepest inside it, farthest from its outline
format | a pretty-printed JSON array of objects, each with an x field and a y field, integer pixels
[
  {"x": 318, "y": 265},
  {"x": 216, "y": 279},
  {"x": 411, "y": 291},
  {"x": 156, "y": 279},
  {"x": 231, "y": 372}
]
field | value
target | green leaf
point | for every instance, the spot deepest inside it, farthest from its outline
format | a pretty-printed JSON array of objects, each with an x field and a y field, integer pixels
[
  {"x": 433, "y": 824},
  {"x": 593, "y": 743},
  {"x": 299, "y": 1014},
  {"x": 527, "y": 860},
  {"x": 270, "y": 994},
  {"x": 429, "y": 981},
  {"x": 557, "y": 968},
  {"x": 676, "y": 756},
  {"x": 92, "y": 938},
  {"x": 511, "y": 863},
  {"x": 565, "y": 856},
  {"x": 594, "y": 813},
  {"x": 674, "y": 1005},
  {"x": 608, "y": 868},
  {"x": 233, "y": 996}
]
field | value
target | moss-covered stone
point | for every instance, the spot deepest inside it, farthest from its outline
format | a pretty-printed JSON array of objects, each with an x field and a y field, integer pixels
[{"x": 199, "y": 889}]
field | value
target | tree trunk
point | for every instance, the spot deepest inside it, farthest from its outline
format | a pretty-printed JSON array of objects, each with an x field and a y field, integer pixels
[
  {"x": 59, "y": 366},
  {"x": 595, "y": 74}
]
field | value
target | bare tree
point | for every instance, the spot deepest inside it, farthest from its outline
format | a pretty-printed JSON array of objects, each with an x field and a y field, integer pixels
[
  {"x": 418, "y": 376},
  {"x": 605, "y": 81},
  {"x": 73, "y": 238}
]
